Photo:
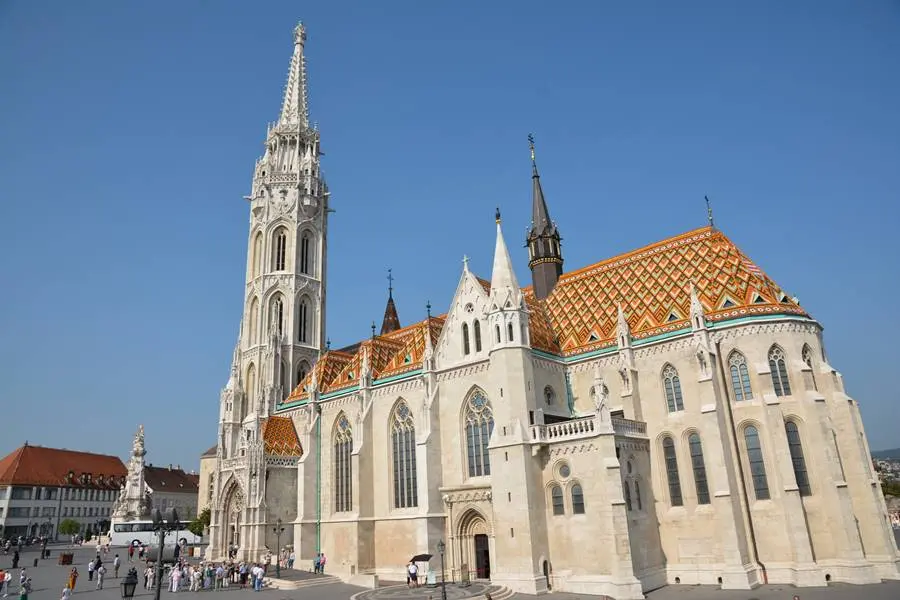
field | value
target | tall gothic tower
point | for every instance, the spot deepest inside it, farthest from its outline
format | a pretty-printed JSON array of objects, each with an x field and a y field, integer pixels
[{"x": 283, "y": 323}]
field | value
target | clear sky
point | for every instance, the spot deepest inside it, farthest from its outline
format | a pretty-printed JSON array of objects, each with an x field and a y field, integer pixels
[{"x": 129, "y": 130}]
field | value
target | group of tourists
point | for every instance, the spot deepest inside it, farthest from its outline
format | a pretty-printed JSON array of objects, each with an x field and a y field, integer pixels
[
  {"x": 183, "y": 576},
  {"x": 6, "y": 578}
]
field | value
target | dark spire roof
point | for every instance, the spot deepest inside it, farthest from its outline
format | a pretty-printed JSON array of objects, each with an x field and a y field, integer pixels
[
  {"x": 391, "y": 321},
  {"x": 540, "y": 215}
]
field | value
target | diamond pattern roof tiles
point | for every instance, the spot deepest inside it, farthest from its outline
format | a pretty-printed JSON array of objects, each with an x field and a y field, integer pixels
[{"x": 280, "y": 437}]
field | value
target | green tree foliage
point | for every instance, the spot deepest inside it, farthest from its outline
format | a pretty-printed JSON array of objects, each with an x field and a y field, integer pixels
[
  {"x": 69, "y": 527},
  {"x": 200, "y": 523},
  {"x": 891, "y": 488}
]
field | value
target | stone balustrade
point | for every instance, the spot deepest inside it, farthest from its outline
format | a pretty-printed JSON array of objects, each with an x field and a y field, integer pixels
[{"x": 583, "y": 428}]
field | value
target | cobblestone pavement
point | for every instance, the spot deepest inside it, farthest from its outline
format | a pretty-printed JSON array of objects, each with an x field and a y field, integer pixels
[{"x": 49, "y": 578}]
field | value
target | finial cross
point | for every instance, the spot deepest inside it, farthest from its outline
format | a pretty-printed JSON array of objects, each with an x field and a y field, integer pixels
[
  {"x": 428, "y": 307},
  {"x": 390, "y": 278},
  {"x": 531, "y": 145},
  {"x": 466, "y": 262},
  {"x": 709, "y": 213}
]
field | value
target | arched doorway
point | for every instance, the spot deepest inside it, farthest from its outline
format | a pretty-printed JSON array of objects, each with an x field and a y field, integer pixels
[
  {"x": 231, "y": 519},
  {"x": 474, "y": 544}
]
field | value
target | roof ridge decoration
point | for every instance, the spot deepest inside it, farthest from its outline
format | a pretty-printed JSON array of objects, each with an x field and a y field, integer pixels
[{"x": 295, "y": 107}]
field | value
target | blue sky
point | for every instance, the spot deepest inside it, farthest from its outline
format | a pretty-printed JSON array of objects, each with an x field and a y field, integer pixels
[{"x": 128, "y": 132}]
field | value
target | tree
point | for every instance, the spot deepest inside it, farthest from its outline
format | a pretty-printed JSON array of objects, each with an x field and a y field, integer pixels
[
  {"x": 200, "y": 523},
  {"x": 69, "y": 527}
]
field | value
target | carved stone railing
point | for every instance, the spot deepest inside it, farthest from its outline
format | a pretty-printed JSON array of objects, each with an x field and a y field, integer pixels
[
  {"x": 628, "y": 427},
  {"x": 567, "y": 430},
  {"x": 282, "y": 178},
  {"x": 585, "y": 427}
]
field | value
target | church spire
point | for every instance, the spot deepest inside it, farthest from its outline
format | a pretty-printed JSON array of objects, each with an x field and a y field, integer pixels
[
  {"x": 391, "y": 321},
  {"x": 295, "y": 108},
  {"x": 504, "y": 286},
  {"x": 543, "y": 241}
]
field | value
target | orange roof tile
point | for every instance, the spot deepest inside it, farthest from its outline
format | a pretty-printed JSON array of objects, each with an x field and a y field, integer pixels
[
  {"x": 327, "y": 367},
  {"x": 652, "y": 284},
  {"x": 413, "y": 351},
  {"x": 36, "y": 465},
  {"x": 280, "y": 437}
]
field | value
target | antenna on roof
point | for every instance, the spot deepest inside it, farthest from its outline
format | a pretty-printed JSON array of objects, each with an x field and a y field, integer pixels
[{"x": 709, "y": 215}]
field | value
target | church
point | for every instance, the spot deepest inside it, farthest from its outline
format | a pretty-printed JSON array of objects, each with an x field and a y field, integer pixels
[{"x": 667, "y": 416}]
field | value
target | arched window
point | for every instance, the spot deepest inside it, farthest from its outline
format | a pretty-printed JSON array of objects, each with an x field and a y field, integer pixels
[
  {"x": 509, "y": 332},
  {"x": 808, "y": 361},
  {"x": 303, "y": 322},
  {"x": 256, "y": 255},
  {"x": 556, "y": 499},
  {"x": 672, "y": 385},
  {"x": 343, "y": 465},
  {"x": 778, "y": 369},
  {"x": 305, "y": 254},
  {"x": 577, "y": 499},
  {"x": 497, "y": 334},
  {"x": 302, "y": 370},
  {"x": 279, "y": 249},
  {"x": 276, "y": 315},
  {"x": 479, "y": 425},
  {"x": 672, "y": 472},
  {"x": 254, "y": 321},
  {"x": 550, "y": 395},
  {"x": 699, "y": 469},
  {"x": 740, "y": 377},
  {"x": 797, "y": 460},
  {"x": 637, "y": 493},
  {"x": 757, "y": 464},
  {"x": 465, "y": 333},
  {"x": 403, "y": 437},
  {"x": 250, "y": 396},
  {"x": 626, "y": 488},
  {"x": 477, "y": 331}
]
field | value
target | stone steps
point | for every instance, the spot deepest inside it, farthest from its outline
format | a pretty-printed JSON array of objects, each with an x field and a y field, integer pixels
[
  {"x": 498, "y": 592},
  {"x": 299, "y": 584}
]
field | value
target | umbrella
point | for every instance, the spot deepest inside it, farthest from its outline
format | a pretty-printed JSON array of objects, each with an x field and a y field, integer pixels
[{"x": 420, "y": 558}]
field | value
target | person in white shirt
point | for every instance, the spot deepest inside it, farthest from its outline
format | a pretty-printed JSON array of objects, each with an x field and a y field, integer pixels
[{"x": 100, "y": 573}]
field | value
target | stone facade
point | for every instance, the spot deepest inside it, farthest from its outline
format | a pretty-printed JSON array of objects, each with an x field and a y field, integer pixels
[{"x": 666, "y": 416}]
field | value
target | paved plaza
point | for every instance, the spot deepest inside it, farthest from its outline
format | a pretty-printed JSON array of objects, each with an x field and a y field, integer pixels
[{"x": 48, "y": 580}]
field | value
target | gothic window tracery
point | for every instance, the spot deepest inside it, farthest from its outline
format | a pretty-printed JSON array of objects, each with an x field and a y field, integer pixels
[
  {"x": 306, "y": 254},
  {"x": 672, "y": 386},
  {"x": 303, "y": 322},
  {"x": 808, "y": 361},
  {"x": 343, "y": 465},
  {"x": 795, "y": 445},
  {"x": 403, "y": 437},
  {"x": 757, "y": 463},
  {"x": 479, "y": 421},
  {"x": 302, "y": 370},
  {"x": 477, "y": 331},
  {"x": 557, "y": 501},
  {"x": 279, "y": 249},
  {"x": 740, "y": 377},
  {"x": 277, "y": 315},
  {"x": 778, "y": 369},
  {"x": 577, "y": 499},
  {"x": 672, "y": 478},
  {"x": 697, "y": 464},
  {"x": 509, "y": 332},
  {"x": 465, "y": 340}
]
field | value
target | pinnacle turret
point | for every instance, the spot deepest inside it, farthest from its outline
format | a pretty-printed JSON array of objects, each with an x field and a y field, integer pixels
[
  {"x": 295, "y": 108},
  {"x": 504, "y": 286}
]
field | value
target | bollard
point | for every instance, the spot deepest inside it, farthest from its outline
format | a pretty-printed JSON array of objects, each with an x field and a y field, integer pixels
[{"x": 35, "y": 562}]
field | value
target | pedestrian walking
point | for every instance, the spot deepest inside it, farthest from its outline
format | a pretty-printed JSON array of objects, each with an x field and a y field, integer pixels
[
  {"x": 91, "y": 566},
  {"x": 73, "y": 577},
  {"x": 116, "y": 563},
  {"x": 4, "y": 583},
  {"x": 101, "y": 575}
]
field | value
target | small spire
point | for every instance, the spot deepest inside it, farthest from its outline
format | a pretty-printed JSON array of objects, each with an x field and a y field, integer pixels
[
  {"x": 391, "y": 321},
  {"x": 709, "y": 213},
  {"x": 504, "y": 285},
  {"x": 295, "y": 107}
]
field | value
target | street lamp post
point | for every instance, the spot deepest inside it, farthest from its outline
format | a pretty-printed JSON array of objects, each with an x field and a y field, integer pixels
[
  {"x": 441, "y": 546},
  {"x": 278, "y": 531},
  {"x": 162, "y": 527}
]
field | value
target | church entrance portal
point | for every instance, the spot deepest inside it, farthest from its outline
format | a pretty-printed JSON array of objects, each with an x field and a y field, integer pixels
[
  {"x": 474, "y": 536},
  {"x": 482, "y": 557},
  {"x": 231, "y": 516}
]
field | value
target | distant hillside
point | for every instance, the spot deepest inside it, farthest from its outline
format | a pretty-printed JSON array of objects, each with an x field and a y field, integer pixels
[{"x": 892, "y": 453}]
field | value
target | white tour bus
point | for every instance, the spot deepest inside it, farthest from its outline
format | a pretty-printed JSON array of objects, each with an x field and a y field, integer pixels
[{"x": 137, "y": 533}]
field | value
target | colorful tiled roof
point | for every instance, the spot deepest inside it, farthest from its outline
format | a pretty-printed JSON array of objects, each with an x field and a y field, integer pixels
[
  {"x": 280, "y": 437},
  {"x": 652, "y": 285},
  {"x": 36, "y": 465},
  {"x": 171, "y": 480}
]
